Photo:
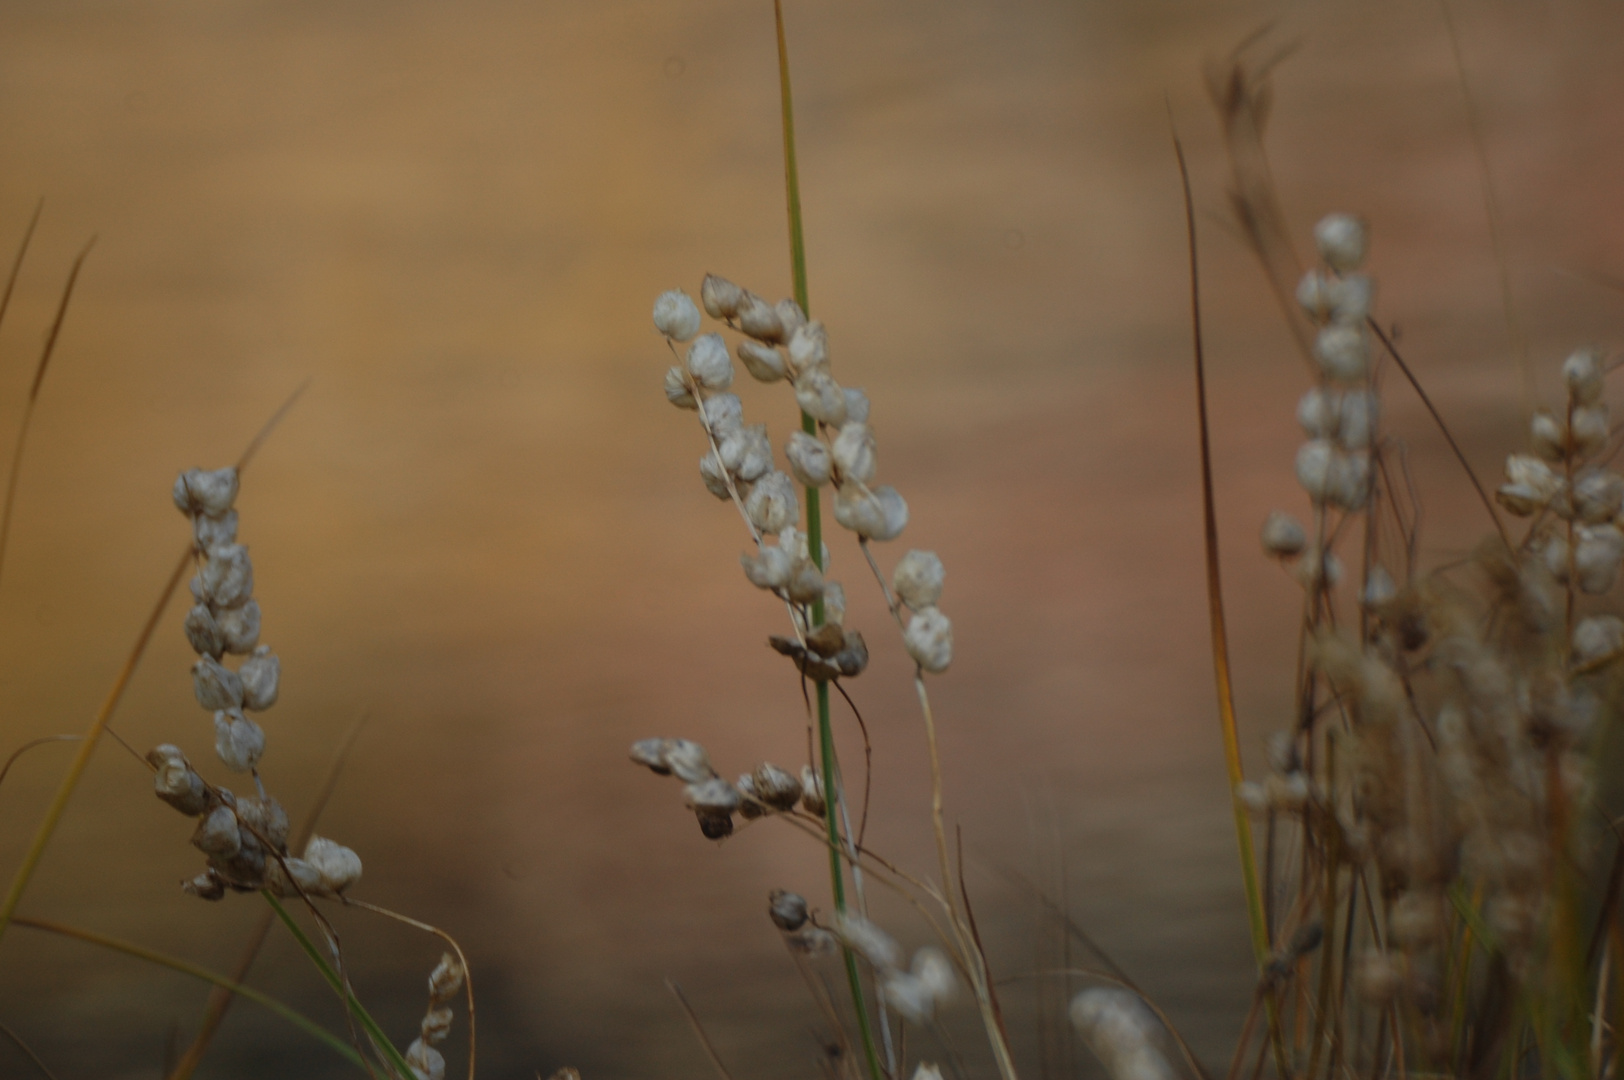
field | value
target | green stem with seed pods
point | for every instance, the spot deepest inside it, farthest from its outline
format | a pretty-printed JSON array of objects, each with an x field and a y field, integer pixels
[{"x": 814, "y": 546}]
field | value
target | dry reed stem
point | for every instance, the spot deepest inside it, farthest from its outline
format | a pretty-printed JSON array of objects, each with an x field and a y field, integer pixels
[
  {"x": 76, "y": 768},
  {"x": 17, "y": 1041},
  {"x": 33, "y": 392},
  {"x": 699, "y": 1029}
]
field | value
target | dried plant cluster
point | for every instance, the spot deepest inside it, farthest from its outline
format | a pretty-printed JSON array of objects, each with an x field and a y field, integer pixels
[
  {"x": 833, "y": 450},
  {"x": 1441, "y": 866}
]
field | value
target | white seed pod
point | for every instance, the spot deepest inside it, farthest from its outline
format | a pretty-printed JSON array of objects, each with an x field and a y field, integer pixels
[
  {"x": 227, "y": 576},
  {"x": 445, "y": 981},
  {"x": 747, "y": 453},
  {"x": 203, "y": 632},
  {"x": 264, "y": 819},
  {"x": 677, "y": 390},
  {"x": 1283, "y": 536},
  {"x": 834, "y": 603},
  {"x": 787, "y": 910},
  {"x": 1596, "y": 557},
  {"x": 1378, "y": 978},
  {"x": 1585, "y": 376},
  {"x": 720, "y": 296},
  {"x": 771, "y": 505},
  {"x": 1316, "y": 468},
  {"x": 1590, "y": 428},
  {"x": 853, "y": 452},
  {"x": 918, "y": 579},
  {"x": 206, "y": 491},
  {"x": 805, "y": 583},
  {"x": 261, "y": 676},
  {"x": 1379, "y": 587},
  {"x": 820, "y": 397},
  {"x": 209, "y": 532},
  {"x": 867, "y": 940},
  {"x": 809, "y": 460},
  {"x": 291, "y": 876},
  {"x": 936, "y": 972},
  {"x": 1414, "y": 920},
  {"x": 929, "y": 639},
  {"x": 763, "y": 362},
  {"x": 790, "y": 316},
  {"x": 750, "y": 804},
  {"x": 1554, "y": 554},
  {"x": 812, "y": 791},
  {"x": 427, "y": 1062},
  {"x": 1288, "y": 794},
  {"x": 1343, "y": 352},
  {"x": 237, "y": 740},
  {"x": 1341, "y": 240},
  {"x": 777, "y": 788},
  {"x": 878, "y": 514},
  {"x": 216, "y": 686},
  {"x": 908, "y": 996},
  {"x": 709, "y": 363},
  {"x": 714, "y": 476},
  {"x": 1597, "y": 637},
  {"x": 175, "y": 782},
  {"x": 217, "y": 834},
  {"x": 205, "y": 886},
  {"x": 1545, "y": 435},
  {"x": 1531, "y": 484},
  {"x": 856, "y": 405},
  {"x": 722, "y": 413},
  {"x": 1598, "y": 495},
  {"x": 795, "y": 541},
  {"x": 711, "y": 796},
  {"x": 1316, "y": 570},
  {"x": 337, "y": 865},
  {"x": 650, "y": 753},
  {"x": 759, "y": 319},
  {"x": 436, "y": 1024},
  {"x": 1357, "y": 418},
  {"x": 1350, "y": 480},
  {"x": 675, "y": 315},
  {"x": 687, "y": 761},
  {"x": 1315, "y": 294},
  {"x": 1352, "y": 297},
  {"x": 239, "y": 627},
  {"x": 770, "y": 568},
  {"x": 1250, "y": 794},
  {"x": 1122, "y": 1033},
  {"x": 808, "y": 348},
  {"x": 1319, "y": 411}
]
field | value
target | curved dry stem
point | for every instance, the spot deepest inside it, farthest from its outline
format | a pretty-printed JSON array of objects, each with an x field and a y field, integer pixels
[
  {"x": 467, "y": 972},
  {"x": 17, "y": 1041},
  {"x": 31, "y": 744}
]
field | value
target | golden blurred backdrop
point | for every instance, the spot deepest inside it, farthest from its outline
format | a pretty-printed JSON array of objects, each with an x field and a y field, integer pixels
[{"x": 482, "y": 529}]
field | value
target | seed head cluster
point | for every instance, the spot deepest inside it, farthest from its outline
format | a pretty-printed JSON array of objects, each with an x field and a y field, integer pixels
[{"x": 244, "y": 836}]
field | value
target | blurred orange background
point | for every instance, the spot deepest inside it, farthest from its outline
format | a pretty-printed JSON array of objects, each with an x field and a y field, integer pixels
[{"x": 482, "y": 527}]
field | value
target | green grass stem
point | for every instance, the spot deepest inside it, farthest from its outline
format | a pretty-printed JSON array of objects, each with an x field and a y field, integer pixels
[
  {"x": 814, "y": 542},
  {"x": 152, "y": 956},
  {"x": 379, "y": 1039}
]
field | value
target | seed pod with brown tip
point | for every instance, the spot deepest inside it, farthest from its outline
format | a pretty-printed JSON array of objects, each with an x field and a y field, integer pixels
[
  {"x": 176, "y": 783},
  {"x": 205, "y": 886},
  {"x": 750, "y": 804},
  {"x": 1283, "y": 536},
  {"x": 677, "y": 390},
  {"x": 336, "y": 865},
  {"x": 812, "y": 800},
  {"x": 805, "y": 583},
  {"x": 787, "y": 910},
  {"x": 687, "y": 761},
  {"x": 650, "y": 753},
  {"x": 775, "y": 787},
  {"x": 760, "y": 320},
  {"x": 446, "y": 980},
  {"x": 720, "y": 296}
]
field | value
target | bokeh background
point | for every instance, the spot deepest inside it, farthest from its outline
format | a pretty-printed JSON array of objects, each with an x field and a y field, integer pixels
[{"x": 482, "y": 529}]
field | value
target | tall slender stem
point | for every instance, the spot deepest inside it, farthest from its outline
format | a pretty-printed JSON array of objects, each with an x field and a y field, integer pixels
[{"x": 814, "y": 544}]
